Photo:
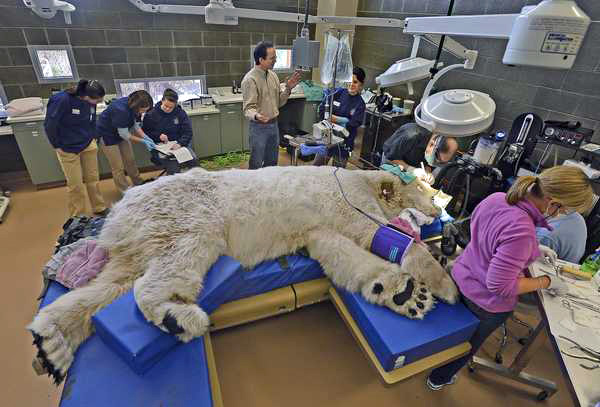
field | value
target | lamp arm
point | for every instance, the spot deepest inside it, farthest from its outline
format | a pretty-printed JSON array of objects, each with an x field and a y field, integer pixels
[{"x": 438, "y": 76}]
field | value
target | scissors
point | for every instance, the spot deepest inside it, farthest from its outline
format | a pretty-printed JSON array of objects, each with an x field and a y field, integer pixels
[{"x": 587, "y": 353}]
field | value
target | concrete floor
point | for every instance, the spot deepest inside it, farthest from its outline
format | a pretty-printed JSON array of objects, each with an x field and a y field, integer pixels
[{"x": 306, "y": 358}]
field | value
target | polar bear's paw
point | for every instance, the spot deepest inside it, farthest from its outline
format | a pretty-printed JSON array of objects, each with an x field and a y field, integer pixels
[
  {"x": 186, "y": 321},
  {"x": 54, "y": 354},
  {"x": 401, "y": 293}
]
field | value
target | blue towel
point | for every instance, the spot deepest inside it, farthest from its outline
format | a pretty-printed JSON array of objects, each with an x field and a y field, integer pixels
[
  {"x": 394, "y": 169},
  {"x": 308, "y": 150}
]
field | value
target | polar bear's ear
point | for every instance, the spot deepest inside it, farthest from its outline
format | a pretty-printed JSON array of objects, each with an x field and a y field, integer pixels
[{"x": 386, "y": 191}]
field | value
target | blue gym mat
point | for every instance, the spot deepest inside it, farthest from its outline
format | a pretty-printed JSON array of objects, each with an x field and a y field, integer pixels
[
  {"x": 437, "y": 226},
  {"x": 272, "y": 274},
  {"x": 98, "y": 377},
  {"x": 398, "y": 341},
  {"x": 141, "y": 344}
]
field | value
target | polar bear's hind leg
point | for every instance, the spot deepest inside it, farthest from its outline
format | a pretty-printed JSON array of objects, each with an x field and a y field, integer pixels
[{"x": 167, "y": 293}]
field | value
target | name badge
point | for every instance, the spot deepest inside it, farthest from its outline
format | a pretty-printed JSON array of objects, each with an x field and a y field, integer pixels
[
  {"x": 336, "y": 103},
  {"x": 75, "y": 111},
  {"x": 352, "y": 112},
  {"x": 176, "y": 121}
]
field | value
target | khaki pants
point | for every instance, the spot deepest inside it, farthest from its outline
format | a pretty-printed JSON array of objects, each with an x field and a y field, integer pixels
[
  {"x": 120, "y": 157},
  {"x": 80, "y": 169}
]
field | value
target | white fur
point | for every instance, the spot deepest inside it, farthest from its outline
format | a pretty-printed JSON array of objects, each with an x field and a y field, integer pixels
[{"x": 163, "y": 237}]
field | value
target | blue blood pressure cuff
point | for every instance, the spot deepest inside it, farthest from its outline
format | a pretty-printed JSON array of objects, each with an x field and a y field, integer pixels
[{"x": 391, "y": 244}]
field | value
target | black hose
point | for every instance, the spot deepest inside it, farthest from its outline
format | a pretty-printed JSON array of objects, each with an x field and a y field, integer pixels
[
  {"x": 434, "y": 69},
  {"x": 466, "y": 197},
  {"x": 306, "y": 13}
]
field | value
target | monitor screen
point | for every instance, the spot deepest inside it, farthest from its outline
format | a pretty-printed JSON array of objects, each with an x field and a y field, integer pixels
[
  {"x": 54, "y": 63},
  {"x": 186, "y": 87},
  {"x": 284, "y": 59}
]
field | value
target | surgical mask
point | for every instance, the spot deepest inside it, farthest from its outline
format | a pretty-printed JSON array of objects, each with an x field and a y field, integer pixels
[
  {"x": 430, "y": 158},
  {"x": 552, "y": 210}
]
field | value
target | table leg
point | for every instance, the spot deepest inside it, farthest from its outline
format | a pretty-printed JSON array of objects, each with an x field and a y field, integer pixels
[{"x": 515, "y": 371}]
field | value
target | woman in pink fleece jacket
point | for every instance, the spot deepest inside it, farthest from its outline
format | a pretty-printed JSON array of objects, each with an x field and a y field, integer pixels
[{"x": 489, "y": 273}]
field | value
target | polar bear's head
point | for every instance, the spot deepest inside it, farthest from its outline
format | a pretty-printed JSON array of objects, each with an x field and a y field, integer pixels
[{"x": 394, "y": 195}]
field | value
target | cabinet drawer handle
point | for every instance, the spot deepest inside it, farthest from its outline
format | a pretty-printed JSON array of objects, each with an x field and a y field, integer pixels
[
  {"x": 231, "y": 112},
  {"x": 35, "y": 133}
]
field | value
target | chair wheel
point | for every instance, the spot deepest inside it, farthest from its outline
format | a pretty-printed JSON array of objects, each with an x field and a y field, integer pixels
[
  {"x": 498, "y": 359},
  {"x": 543, "y": 395},
  {"x": 523, "y": 341},
  {"x": 471, "y": 369}
]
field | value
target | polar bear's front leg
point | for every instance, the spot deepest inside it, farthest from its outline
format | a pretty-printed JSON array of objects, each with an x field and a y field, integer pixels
[
  {"x": 420, "y": 264},
  {"x": 353, "y": 268},
  {"x": 167, "y": 293}
]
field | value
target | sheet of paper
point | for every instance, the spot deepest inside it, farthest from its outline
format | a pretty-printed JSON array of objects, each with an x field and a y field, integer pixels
[
  {"x": 165, "y": 148},
  {"x": 182, "y": 154}
]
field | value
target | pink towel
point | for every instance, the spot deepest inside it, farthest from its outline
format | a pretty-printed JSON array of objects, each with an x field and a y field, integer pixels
[
  {"x": 82, "y": 265},
  {"x": 405, "y": 226}
]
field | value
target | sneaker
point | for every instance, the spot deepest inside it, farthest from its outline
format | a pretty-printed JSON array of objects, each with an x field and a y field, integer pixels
[{"x": 437, "y": 387}]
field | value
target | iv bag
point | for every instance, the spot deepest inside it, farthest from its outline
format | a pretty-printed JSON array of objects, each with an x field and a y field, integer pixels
[{"x": 340, "y": 48}]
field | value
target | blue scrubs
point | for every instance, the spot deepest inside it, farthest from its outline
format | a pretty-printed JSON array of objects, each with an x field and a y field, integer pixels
[
  {"x": 351, "y": 107},
  {"x": 70, "y": 122},
  {"x": 117, "y": 115}
]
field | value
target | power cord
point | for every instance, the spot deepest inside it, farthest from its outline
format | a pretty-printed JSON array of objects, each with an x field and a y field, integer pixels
[{"x": 350, "y": 204}]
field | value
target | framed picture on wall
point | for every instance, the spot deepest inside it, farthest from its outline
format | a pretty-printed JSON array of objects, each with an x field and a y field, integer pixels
[{"x": 53, "y": 63}]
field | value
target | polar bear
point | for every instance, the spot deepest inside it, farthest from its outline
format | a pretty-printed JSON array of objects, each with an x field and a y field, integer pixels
[{"x": 163, "y": 237}]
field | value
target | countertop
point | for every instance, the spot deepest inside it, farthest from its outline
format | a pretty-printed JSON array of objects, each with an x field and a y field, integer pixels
[
  {"x": 6, "y": 131},
  {"x": 40, "y": 117}
]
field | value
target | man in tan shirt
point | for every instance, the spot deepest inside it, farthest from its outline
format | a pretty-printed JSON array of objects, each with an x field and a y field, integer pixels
[{"x": 263, "y": 97}]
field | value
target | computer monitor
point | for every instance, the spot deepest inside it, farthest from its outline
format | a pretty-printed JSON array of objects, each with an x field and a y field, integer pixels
[
  {"x": 187, "y": 87},
  {"x": 284, "y": 59}
]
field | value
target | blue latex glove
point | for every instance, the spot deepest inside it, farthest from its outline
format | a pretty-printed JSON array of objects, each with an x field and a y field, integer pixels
[
  {"x": 342, "y": 121},
  {"x": 149, "y": 143},
  {"x": 309, "y": 150}
]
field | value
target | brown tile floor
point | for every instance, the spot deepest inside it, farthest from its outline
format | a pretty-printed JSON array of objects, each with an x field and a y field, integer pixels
[{"x": 306, "y": 358}]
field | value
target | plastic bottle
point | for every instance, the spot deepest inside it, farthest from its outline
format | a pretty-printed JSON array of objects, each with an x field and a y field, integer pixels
[{"x": 592, "y": 263}]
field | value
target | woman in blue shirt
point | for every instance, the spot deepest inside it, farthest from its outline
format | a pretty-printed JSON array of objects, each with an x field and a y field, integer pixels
[
  {"x": 70, "y": 126},
  {"x": 348, "y": 111},
  {"x": 118, "y": 125}
]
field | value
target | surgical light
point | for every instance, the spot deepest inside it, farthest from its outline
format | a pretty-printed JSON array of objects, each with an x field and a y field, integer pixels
[{"x": 48, "y": 8}]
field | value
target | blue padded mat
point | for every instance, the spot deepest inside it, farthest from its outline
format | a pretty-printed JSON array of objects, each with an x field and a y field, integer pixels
[
  {"x": 397, "y": 340},
  {"x": 436, "y": 227},
  {"x": 141, "y": 344},
  {"x": 55, "y": 290},
  {"x": 98, "y": 377},
  {"x": 273, "y": 274}
]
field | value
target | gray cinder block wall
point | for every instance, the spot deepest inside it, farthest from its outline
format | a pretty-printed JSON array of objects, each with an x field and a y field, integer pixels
[
  {"x": 113, "y": 39},
  {"x": 560, "y": 95}
]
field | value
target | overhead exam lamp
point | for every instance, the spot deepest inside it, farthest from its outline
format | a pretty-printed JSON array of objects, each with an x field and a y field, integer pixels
[{"x": 548, "y": 35}]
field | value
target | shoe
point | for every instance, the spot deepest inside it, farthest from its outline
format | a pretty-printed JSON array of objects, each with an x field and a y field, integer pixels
[
  {"x": 437, "y": 387},
  {"x": 103, "y": 213}
]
